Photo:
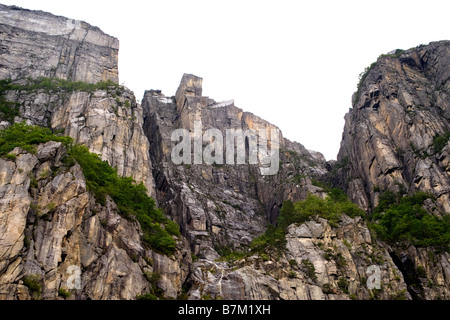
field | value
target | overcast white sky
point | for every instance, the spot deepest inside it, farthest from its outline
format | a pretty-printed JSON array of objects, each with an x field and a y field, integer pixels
[{"x": 293, "y": 63}]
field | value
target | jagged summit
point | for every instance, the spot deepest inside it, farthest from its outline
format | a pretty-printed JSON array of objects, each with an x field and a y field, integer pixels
[{"x": 190, "y": 86}]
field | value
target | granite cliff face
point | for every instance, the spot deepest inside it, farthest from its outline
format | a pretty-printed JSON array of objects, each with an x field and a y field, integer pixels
[
  {"x": 219, "y": 205},
  {"x": 108, "y": 121},
  {"x": 223, "y": 207},
  {"x": 53, "y": 228},
  {"x": 396, "y": 138},
  {"x": 399, "y": 111},
  {"x": 36, "y": 43}
]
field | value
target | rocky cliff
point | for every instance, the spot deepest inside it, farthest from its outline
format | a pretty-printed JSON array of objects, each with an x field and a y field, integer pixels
[
  {"x": 36, "y": 43},
  {"x": 396, "y": 134},
  {"x": 221, "y": 208},
  {"x": 53, "y": 228},
  {"x": 234, "y": 242},
  {"x": 220, "y": 204},
  {"x": 37, "y": 48},
  {"x": 396, "y": 138}
]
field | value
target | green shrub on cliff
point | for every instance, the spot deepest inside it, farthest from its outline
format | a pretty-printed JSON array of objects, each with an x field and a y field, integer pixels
[
  {"x": 331, "y": 208},
  {"x": 440, "y": 141},
  {"x": 33, "y": 283},
  {"x": 102, "y": 180},
  {"x": 54, "y": 84},
  {"x": 403, "y": 219},
  {"x": 131, "y": 199},
  {"x": 8, "y": 110},
  {"x": 27, "y": 137}
]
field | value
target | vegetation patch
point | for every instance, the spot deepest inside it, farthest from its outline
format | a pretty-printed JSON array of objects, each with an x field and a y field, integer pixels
[
  {"x": 102, "y": 180},
  {"x": 155, "y": 292},
  {"x": 131, "y": 199},
  {"x": 27, "y": 137},
  {"x": 309, "y": 268},
  {"x": 33, "y": 283},
  {"x": 331, "y": 208},
  {"x": 421, "y": 272},
  {"x": 320, "y": 184},
  {"x": 440, "y": 141},
  {"x": 232, "y": 256},
  {"x": 64, "y": 293},
  {"x": 292, "y": 274},
  {"x": 398, "y": 219},
  {"x": 362, "y": 77},
  {"x": 400, "y": 295},
  {"x": 273, "y": 241},
  {"x": 54, "y": 84},
  {"x": 146, "y": 296},
  {"x": 8, "y": 110},
  {"x": 343, "y": 284},
  {"x": 396, "y": 54}
]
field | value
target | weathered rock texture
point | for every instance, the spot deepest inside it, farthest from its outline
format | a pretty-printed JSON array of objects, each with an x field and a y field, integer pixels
[
  {"x": 51, "y": 226},
  {"x": 36, "y": 43},
  {"x": 223, "y": 207},
  {"x": 403, "y": 103},
  {"x": 219, "y": 206},
  {"x": 321, "y": 263},
  {"x": 109, "y": 121}
]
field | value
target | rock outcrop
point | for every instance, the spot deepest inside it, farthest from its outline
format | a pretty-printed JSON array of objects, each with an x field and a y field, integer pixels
[
  {"x": 108, "y": 121},
  {"x": 54, "y": 231},
  {"x": 320, "y": 263},
  {"x": 396, "y": 138},
  {"x": 36, "y": 43},
  {"x": 220, "y": 205},
  {"x": 401, "y": 107}
]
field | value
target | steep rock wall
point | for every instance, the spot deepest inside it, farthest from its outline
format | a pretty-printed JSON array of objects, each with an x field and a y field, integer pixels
[
  {"x": 220, "y": 205},
  {"x": 401, "y": 106},
  {"x": 39, "y": 44},
  {"x": 52, "y": 229}
]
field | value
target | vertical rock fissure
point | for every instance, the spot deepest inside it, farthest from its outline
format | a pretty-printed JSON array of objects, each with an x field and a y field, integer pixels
[{"x": 408, "y": 270}]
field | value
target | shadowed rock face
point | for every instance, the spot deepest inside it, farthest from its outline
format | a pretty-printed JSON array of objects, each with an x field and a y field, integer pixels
[
  {"x": 36, "y": 43},
  {"x": 225, "y": 206},
  {"x": 403, "y": 104},
  {"x": 390, "y": 143},
  {"x": 219, "y": 205}
]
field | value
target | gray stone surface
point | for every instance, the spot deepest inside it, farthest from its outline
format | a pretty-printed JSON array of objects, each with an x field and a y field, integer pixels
[
  {"x": 39, "y": 44},
  {"x": 388, "y": 135}
]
